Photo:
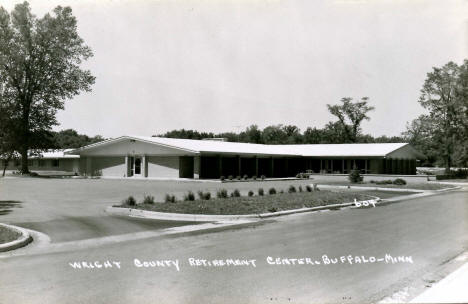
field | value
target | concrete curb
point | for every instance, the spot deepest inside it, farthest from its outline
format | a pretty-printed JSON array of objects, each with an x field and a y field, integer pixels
[
  {"x": 369, "y": 188},
  {"x": 219, "y": 218},
  {"x": 385, "y": 189},
  {"x": 21, "y": 242}
]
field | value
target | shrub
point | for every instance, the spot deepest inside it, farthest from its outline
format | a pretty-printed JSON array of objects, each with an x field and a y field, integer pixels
[
  {"x": 309, "y": 188},
  {"x": 235, "y": 193},
  {"x": 230, "y": 177},
  {"x": 281, "y": 191},
  {"x": 189, "y": 196},
  {"x": 251, "y": 193},
  {"x": 299, "y": 175},
  {"x": 272, "y": 191},
  {"x": 300, "y": 188},
  {"x": 454, "y": 174},
  {"x": 272, "y": 209},
  {"x": 222, "y": 193},
  {"x": 130, "y": 201},
  {"x": 292, "y": 189},
  {"x": 316, "y": 188},
  {"x": 148, "y": 199},
  {"x": 263, "y": 177},
  {"x": 254, "y": 177},
  {"x": 222, "y": 178},
  {"x": 246, "y": 176},
  {"x": 261, "y": 192},
  {"x": 206, "y": 196},
  {"x": 384, "y": 182},
  {"x": 399, "y": 181},
  {"x": 355, "y": 176},
  {"x": 238, "y": 177},
  {"x": 372, "y": 181},
  {"x": 169, "y": 198}
]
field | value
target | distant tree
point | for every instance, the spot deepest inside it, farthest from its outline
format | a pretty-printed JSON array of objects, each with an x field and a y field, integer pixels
[
  {"x": 251, "y": 135},
  {"x": 293, "y": 134},
  {"x": 313, "y": 136},
  {"x": 334, "y": 133},
  {"x": 69, "y": 138},
  {"x": 350, "y": 115},
  {"x": 39, "y": 69},
  {"x": 444, "y": 95},
  {"x": 274, "y": 135},
  {"x": 420, "y": 134}
]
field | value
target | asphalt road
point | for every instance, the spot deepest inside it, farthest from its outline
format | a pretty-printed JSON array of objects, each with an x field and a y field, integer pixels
[{"x": 432, "y": 230}]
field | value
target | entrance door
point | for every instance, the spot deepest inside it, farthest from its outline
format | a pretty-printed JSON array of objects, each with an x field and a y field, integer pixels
[{"x": 135, "y": 166}]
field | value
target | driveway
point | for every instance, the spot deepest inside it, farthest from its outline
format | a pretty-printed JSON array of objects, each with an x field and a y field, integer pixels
[{"x": 73, "y": 209}]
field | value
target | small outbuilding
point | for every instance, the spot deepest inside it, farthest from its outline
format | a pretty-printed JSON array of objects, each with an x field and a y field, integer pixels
[{"x": 158, "y": 157}]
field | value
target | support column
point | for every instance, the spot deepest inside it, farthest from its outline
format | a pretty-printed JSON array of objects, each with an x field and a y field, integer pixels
[
  {"x": 144, "y": 167},
  {"x": 196, "y": 167},
  {"x": 321, "y": 166},
  {"x": 89, "y": 166},
  {"x": 286, "y": 165},
  {"x": 239, "y": 168},
  {"x": 365, "y": 166},
  {"x": 342, "y": 166},
  {"x": 126, "y": 166},
  {"x": 331, "y": 166}
]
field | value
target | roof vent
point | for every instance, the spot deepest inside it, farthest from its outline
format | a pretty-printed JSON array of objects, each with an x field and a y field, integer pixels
[{"x": 216, "y": 139}]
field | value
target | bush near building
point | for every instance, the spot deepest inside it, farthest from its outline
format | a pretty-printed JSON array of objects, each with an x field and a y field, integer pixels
[{"x": 355, "y": 176}]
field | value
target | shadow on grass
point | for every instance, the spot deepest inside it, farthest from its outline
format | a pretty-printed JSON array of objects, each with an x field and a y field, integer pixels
[{"x": 7, "y": 206}]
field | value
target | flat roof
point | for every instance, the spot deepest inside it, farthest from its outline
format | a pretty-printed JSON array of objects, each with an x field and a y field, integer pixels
[
  {"x": 220, "y": 147},
  {"x": 55, "y": 154}
]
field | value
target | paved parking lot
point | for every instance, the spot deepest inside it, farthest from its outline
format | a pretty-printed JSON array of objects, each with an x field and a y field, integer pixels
[{"x": 73, "y": 209}]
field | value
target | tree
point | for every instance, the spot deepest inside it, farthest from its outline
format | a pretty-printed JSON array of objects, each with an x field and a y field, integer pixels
[
  {"x": 419, "y": 133},
  {"x": 350, "y": 115},
  {"x": 274, "y": 135},
  {"x": 39, "y": 69},
  {"x": 444, "y": 95},
  {"x": 69, "y": 138},
  {"x": 251, "y": 135}
]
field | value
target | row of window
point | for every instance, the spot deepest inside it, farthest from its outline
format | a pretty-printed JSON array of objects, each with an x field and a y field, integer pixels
[{"x": 35, "y": 163}]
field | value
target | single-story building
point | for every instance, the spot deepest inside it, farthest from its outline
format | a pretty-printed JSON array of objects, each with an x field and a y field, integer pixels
[
  {"x": 49, "y": 160},
  {"x": 157, "y": 157}
]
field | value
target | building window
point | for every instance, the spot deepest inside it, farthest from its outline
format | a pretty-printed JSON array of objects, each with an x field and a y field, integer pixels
[
  {"x": 55, "y": 163},
  {"x": 30, "y": 163},
  {"x": 5, "y": 163},
  {"x": 41, "y": 163}
]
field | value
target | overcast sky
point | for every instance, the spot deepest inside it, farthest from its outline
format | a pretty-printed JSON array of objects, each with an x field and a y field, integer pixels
[{"x": 223, "y": 65}]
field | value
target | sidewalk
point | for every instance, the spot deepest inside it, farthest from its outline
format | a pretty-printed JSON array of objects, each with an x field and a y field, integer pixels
[{"x": 451, "y": 289}]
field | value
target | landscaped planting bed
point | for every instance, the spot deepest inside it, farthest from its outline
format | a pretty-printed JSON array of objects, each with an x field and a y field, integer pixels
[
  {"x": 253, "y": 204},
  {"x": 8, "y": 235}
]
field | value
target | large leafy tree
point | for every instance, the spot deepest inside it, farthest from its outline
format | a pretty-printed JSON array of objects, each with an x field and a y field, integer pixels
[
  {"x": 350, "y": 115},
  {"x": 444, "y": 94},
  {"x": 39, "y": 69}
]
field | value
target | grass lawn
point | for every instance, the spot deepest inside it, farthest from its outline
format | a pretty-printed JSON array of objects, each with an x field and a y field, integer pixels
[
  {"x": 255, "y": 204},
  {"x": 8, "y": 235}
]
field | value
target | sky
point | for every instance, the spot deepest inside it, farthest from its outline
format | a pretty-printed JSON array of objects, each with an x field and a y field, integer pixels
[{"x": 224, "y": 65}]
